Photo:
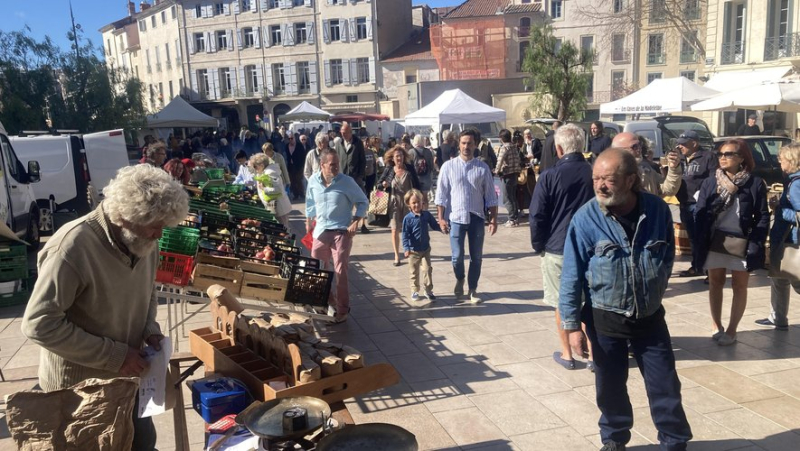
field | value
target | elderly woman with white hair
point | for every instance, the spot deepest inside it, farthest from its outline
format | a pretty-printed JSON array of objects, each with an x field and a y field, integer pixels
[
  {"x": 94, "y": 304},
  {"x": 271, "y": 186},
  {"x": 312, "y": 157}
]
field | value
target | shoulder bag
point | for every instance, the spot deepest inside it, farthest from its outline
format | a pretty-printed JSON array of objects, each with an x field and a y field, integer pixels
[
  {"x": 379, "y": 202},
  {"x": 729, "y": 244},
  {"x": 787, "y": 257}
]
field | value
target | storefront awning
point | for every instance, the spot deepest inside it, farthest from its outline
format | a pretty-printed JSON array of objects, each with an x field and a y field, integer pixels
[{"x": 728, "y": 81}]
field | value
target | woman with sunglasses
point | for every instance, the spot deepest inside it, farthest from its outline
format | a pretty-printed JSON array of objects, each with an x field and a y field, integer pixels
[{"x": 732, "y": 221}]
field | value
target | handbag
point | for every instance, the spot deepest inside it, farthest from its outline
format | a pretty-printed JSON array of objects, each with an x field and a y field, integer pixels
[
  {"x": 787, "y": 258},
  {"x": 729, "y": 244},
  {"x": 379, "y": 203},
  {"x": 522, "y": 178}
]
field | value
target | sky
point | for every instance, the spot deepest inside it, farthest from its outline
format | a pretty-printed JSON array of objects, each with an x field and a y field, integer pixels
[{"x": 51, "y": 17}]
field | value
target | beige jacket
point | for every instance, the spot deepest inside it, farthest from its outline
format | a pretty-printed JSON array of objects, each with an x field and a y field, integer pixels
[{"x": 654, "y": 183}]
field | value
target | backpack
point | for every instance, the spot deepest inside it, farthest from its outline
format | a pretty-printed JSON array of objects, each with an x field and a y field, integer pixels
[{"x": 420, "y": 163}]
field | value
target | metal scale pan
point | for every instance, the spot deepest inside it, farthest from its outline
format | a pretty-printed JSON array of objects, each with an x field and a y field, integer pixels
[{"x": 369, "y": 436}]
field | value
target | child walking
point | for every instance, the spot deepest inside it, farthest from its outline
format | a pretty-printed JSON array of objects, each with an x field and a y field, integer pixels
[{"x": 417, "y": 243}]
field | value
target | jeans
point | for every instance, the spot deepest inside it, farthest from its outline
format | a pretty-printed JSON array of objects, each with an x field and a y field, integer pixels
[
  {"x": 144, "y": 431},
  {"x": 653, "y": 354},
  {"x": 474, "y": 231},
  {"x": 336, "y": 246},
  {"x": 687, "y": 219},
  {"x": 780, "y": 300},
  {"x": 417, "y": 261},
  {"x": 510, "y": 193}
]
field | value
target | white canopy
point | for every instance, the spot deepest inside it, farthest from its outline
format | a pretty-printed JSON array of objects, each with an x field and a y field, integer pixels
[
  {"x": 454, "y": 107},
  {"x": 767, "y": 96},
  {"x": 306, "y": 112},
  {"x": 178, "y": 113},
  {"x": 736, "y": 79},
  {"x": 666, "y": 95}
]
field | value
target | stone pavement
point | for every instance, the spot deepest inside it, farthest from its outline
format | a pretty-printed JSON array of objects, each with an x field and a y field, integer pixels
[{"x": 482, "y": 376}]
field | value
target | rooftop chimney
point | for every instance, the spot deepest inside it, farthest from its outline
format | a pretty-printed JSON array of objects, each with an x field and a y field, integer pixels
[
  {"x": 144, "y": 5},
  {"x": 131, "y": 8}
]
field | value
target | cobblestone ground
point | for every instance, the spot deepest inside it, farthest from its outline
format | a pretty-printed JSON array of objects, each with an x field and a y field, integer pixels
[{"x": 483, "y": 377}]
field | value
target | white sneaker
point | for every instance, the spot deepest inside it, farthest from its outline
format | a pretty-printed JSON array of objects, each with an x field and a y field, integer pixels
[
  {"x": 331, "y": 310},
  {"x": 473, "y": 297},
  {"x": 510, "y": 223}
]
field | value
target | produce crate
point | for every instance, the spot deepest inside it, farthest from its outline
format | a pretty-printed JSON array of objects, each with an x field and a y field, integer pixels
[
  {"x": 215, "y": 173},
  {"x": 179, "y": 240},
  {"x": 243, "y": 211},
  {"x": 259, "y": 268},
  {"x": 232, "y": 189},
  {"x": 191, "y": 221},
  {"x": 223, "y": 262},
  {"x": 263, "y": 287},
  {"x": 210, "y": 246},
  {"x": 206, "y": 275},
  {"x": 248, "y": 252},
  {"x": 309, "y": 286},
  {"x": 174, "y": 269},
  {"x": 289, "y": 262},
  {"x": 20, "y": 294}
]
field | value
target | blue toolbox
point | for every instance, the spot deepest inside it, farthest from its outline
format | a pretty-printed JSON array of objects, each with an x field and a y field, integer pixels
[{"x": 215, "y": 397}]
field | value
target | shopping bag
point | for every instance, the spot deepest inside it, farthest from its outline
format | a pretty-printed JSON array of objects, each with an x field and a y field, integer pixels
[
  {"x": 379, "y": 202},
  {"x": 308, "y": 239}
]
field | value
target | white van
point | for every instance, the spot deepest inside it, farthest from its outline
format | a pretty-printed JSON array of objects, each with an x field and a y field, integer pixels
[
  {"x": 18, "y": 207},
  {"x": 64, "y": 185},
  {"x": 106, "y": 153}
]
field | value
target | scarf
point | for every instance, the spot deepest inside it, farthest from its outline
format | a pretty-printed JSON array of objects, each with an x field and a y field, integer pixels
[{"x": 727, "y": 187}]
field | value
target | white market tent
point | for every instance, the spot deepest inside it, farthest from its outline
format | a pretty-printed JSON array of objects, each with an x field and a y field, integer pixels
[
  {"x": 179, "y": 114},
  {"x": 306, "y": 112},
  {"x": 768, "y": 96},
  {"x": 666, "y": 95},
  {"x": 454, "y": 107}
]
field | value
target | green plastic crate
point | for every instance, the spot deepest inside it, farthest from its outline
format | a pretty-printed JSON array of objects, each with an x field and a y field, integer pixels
[
  {"x": 215, "y": 173},
  {"x": 19, "y": 296},
  {"x": 179, "y": 240},
  {"x": 13, "y": 250}
]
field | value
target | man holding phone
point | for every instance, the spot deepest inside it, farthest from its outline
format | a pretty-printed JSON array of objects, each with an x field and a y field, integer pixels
[{"x": 652, "y": 181}]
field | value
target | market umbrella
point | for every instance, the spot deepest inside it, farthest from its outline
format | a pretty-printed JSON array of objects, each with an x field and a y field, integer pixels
[
  {"x": 781, "y": 96},
  {"x": 666, "y": 95},
  {"x": 306, "y": 112}
]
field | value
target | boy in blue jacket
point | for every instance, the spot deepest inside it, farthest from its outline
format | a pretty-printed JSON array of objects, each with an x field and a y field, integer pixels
[{"x": 417, "y": 243}]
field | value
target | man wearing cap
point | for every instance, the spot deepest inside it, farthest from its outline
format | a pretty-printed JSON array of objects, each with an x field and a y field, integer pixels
[
  {"x": 751, "y": 128},
  {"x": 698, "y": 165}
]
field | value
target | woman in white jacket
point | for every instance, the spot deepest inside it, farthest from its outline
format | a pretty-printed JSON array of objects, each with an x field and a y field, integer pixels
[{"x": 271, "y": 187}]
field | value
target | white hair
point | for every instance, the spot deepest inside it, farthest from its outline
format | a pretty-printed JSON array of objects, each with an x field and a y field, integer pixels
[
  {"x": 144, "y": 195},
  {"x": 260, "y": 159},
  {"x": 570, "y": 138},
  {"x": 321, "y": 138},
  {"x": 418, "y": 141}
]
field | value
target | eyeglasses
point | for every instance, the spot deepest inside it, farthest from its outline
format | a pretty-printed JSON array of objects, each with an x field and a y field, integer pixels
[
  {"x": 636, "y": 146},
  {"x": 727, "y": 155}
]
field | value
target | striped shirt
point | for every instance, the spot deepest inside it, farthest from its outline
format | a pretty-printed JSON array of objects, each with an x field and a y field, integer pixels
[{"x": 464, "y": 188}]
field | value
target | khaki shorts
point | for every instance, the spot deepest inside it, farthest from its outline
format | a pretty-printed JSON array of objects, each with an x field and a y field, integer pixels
[{"x": 551, "y": 277}]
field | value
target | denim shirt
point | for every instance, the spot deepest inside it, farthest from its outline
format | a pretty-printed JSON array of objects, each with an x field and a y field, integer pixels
[
  {"x": 332, "y": 205},
  {"x": 788, "y": 205},
  {"x": 615, "y": 276}
]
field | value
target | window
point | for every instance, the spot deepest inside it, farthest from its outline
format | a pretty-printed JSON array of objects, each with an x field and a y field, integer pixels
[
  {"x": 14, "y": 166},
  {"x": 361, "y": 28},
  {"x": 171, "y": 93},
  {"x": 618, "y": 51},
  {"x": 158, "y": 58},
  {"x": 658, "y": 11},
  {"x": 556, "y": 9},
  {"x": 202, "y": 80},
  {"x": 692, "y": 9},
  {"x": 147, "y": 59},
  {"x": 336, "y": 72},
  {"x": 778, "y": 44},
  {"x": 351, "y": 99},
  {"x": 617, "y": 84},
  {"x": 590, "y": 89},
  {"x": 362, "y": 70},
  {"x": 249, "y": 39},
  {"x": 161, "y": 93},
  {"x": 334, "y": 31},
  {"x": 226, "y": 82},
  {"x": 300, "y": 33},
  {"x": 298, "y": 2},
  {"x": 153, "y": 21},
  {"x": 557, "y": 47},
  {"x": 688, "y": 53},
  {"x": 108, "y": 47},
  {"x": 219, "y": 9},
  {"x": 142, "y": 25},
  {"x": 246, "y": 5},
  {"x": 278, "y": 78},
  {"x": 275, "y": 35},
  {"x": 655, "y": 49},
  {"x": 618, "y": 6},
  {"x": 178, "y": 52},
  {"x": 251, "y": 82},
  {"x": 198, "y": 11},
  {"x": 166, "y": 53},
  {"x": 411, "y": 78},
  {"x": 174, "y": 11},
  {"x": 199, "y": 42},
  {"x": 734, "y": 34},
  {"x": 587, "y": 46},
  {"x": 274, "y": 4},
  {"x": 222, "y": 39},
  {"x": 163, "y": 17},
  {"x": 303, "y": 77},
  {"x": 524, "y": 29},
  {"x": 653, "y": 76},
  {"x": 690, "y": 74}
]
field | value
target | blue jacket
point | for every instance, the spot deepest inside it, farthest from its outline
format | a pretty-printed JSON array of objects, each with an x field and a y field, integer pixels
[
  {"x": 788, "y": 204},
  {"x": 559, "y": 193},
  {"x": 753, "y": 218},
  {"x": 615, "y": 276},
  {"x": 415, "y": 231}
]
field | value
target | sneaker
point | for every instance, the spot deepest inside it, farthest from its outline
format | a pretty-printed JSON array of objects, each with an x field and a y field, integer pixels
[
  {"x": 691, "y": 272},
  {"x": 364, "y": 229},
  {"x": 331, "y": 310},
  {"x": 415, "y": 296},
  {"x": 510, "y": 223},
  {"x": 726, "y": 340},
  {"x": 559, "y": 359},
  {"x": 718, "y": 334},
  {"x": 766, "y": 322},
  {"x": 473, "y": 297},
  {"x": 613, "y": 446},
  {"x": 590, "y": 365},
  {"x": 430, "y": 295},
  {"x": 459, "y": 288}
]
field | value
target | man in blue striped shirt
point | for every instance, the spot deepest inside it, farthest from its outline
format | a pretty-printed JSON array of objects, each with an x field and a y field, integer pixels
[{"x": 465, "y": 190}]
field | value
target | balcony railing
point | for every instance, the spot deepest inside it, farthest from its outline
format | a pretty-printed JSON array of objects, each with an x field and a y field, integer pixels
[
  {"x": 158, "y": 67},
  {"x": 178, "y": 61},
  {"x": 149, "y": 69},
  {"x": 523, "y": 32},
  {"x": 604, "y": 96},
  {"x": 782, "y": 46},
  {"x": 621, "y": 55},
  {"x": 656, "y": 58},
  {"x": 688, "y": 57},
  {"x": 732, "y": 52},
  {"x": 169, "y": 65}
]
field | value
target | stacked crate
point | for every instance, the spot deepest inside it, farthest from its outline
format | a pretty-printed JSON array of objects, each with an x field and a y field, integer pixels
[{"x": 15, "y": 278}]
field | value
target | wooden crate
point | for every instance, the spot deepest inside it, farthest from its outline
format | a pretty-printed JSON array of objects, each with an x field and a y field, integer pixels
[
  {"x": 258, "y": 268},
  {"x": 205, "y": 275},
  {"x": 222, "y": 357},
  {"x": 264, "y": 287},
  {"x": 224, "y": 262}
]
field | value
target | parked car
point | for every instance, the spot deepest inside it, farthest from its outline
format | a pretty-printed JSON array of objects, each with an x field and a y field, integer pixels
[
  {"x": 18, "y": 208},
  {"x": 765, "y": 153},
  {"x": 663, "y": 131}
]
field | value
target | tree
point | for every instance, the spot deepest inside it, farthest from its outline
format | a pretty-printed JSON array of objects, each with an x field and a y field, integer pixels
[{"x": 559, "y": 74}]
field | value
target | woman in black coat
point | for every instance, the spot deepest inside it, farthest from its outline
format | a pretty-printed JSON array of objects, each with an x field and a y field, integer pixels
[
  {"x": 398, "y": 178},
  {"x": 732, "y": 222}
]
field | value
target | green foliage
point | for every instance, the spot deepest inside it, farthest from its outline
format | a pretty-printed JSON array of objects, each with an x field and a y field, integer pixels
[
  {"x": 76, "y": 90},
  {"x": 559, "y": 75}
]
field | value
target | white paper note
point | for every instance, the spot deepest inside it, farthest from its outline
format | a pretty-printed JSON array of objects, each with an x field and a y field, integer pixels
[{"x": 153, "y": 381}]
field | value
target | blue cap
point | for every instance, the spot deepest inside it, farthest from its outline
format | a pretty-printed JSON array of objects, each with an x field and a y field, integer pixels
[{"x": 688, "y": 135}]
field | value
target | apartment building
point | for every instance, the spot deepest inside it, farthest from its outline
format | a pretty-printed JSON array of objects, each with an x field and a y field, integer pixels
[
  {"x": 121, "y": 43},
  {"x": 160, "y": 54}
]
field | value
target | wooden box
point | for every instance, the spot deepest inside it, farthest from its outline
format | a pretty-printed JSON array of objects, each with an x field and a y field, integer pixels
[
  {"x": 221, "y": 356},
  {"x": 258, "y": 268},
  {"x": 224, "y": 262},
  {"x": 263, "y": 287},
  {"x": 205, "y": 275}
]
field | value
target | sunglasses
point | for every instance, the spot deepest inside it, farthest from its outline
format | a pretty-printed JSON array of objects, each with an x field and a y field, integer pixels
[{"x": 727, "y": 155}]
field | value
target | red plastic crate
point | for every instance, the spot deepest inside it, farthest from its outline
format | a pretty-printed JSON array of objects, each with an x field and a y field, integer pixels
[{"x": 174, "y": 269}]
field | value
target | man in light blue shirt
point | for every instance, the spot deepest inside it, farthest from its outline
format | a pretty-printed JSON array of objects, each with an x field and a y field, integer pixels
[
  {"x": 464, "y": 192},
  {"x": 330, "y": 199}
]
